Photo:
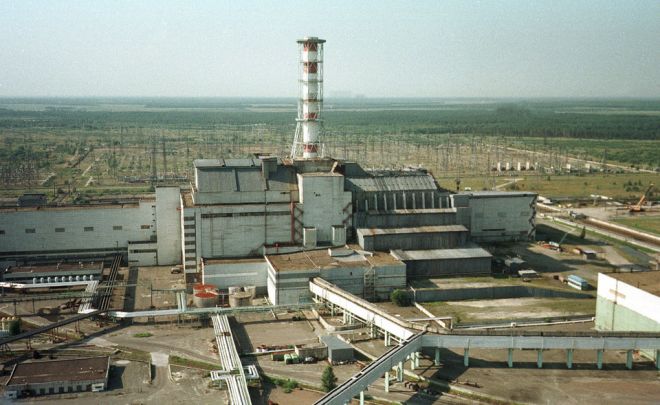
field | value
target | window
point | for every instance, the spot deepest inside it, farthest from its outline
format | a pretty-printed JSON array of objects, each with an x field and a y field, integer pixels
[
  {"x": 89, "y": 229},
  {"x": 30, "y": 230},
  {"x": 145, "y": 226},
  {"x": 117, "y": 228},
  {"x": 59, "y": 229},
  {"x": 189, "y": 227},
  {"x": 2, "y": 231}
]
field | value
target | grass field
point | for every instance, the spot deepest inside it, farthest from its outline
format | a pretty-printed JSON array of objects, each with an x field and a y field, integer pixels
[
  {"x": 646, "y": 223},
  {"x": 77, "y": 149}
]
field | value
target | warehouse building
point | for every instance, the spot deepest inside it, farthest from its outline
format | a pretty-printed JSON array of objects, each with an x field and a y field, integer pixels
[
  {"x": 629, "y": 302},
  {"x": 54, "y": 233},
  {"x": 470, "y": 260},
  {"x": 58, "y": 376},
  {"x": 39, "y": 274},
  {"x": 225, "y": 273},
  {"x": 422, "y": 237},
  {"x": 369, "y": 275},
  {"x": 497, "y": 216},
  {"x": 338, "y": 350}
]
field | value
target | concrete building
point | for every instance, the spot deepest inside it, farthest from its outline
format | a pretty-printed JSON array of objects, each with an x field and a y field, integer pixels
[
  {"x": 338, "y": 350},
  {"x": 369, "y": 275},
  {"x": 145, "y": 230},
  {"x": 225, "y": 273},
  {"x": 497, "y": 216},
  {"x": 421, "y": 237},
  {"x": 629, "y": 302},
  {"x": 58, "y": 376},
  {"x": 37, "y": 274}
]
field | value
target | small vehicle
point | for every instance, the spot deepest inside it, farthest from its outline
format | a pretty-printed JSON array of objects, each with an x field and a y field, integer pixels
[
  {"x": 176, "y": 270},
  {"x": 309, "y": 360}
]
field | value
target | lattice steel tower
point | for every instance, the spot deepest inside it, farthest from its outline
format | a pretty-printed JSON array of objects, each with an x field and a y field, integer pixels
[{"x": 309, "y": 128}]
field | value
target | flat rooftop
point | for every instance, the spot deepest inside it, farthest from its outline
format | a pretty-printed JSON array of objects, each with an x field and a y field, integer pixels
[
  {"x": 417, "y": 229},
  {"x": 486, "y": 194},
  {"x": 320, "y": 259},
  {"x": 441, "y": 254},
  {"x": 415, "y": 211},
  {"x": 648, "y": 281},
  {"x": 234, "y": 261},
  {"x": 73, "y": 207},
  {"x": 40, "y": 372},
  {"x": 83, "y": 267}
]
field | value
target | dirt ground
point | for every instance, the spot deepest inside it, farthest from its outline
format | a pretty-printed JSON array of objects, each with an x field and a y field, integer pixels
[
  {"x": 512, "y": 308},
  {"x": 584, "y": 384}
]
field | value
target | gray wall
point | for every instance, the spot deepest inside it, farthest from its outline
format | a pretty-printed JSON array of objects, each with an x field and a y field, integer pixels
[
  {"x": 411, "y": 241},
  {"x": 499, "y": 292},
  {"x": 448, "y": 267}
]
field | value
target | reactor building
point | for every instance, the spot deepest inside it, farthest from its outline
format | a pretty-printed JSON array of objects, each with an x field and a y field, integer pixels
[{"x": 275, "y": 222}]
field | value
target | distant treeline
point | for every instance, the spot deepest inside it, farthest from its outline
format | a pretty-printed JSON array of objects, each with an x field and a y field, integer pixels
[{"x": 613, "y": 119}]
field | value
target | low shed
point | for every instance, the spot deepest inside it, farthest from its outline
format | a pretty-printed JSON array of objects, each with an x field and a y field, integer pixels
[
  {"x": 338, "y": 350},
  {"x": 467, "y": 261},
  {"x": 58, "y": 376}
]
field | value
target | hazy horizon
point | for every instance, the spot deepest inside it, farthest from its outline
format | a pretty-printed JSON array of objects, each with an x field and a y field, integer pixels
[{"x": 379, "y": 50}]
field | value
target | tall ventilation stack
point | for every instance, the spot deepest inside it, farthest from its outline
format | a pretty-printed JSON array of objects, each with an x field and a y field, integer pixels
[{"x": 306, "y": 143}]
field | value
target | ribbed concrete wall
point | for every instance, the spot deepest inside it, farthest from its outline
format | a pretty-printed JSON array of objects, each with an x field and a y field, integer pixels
[
  {"x": 412, "y": 240},
  {"x": 404, "y": 218},
  {"x": 74, "y": 231},
  {"x": 448, "y": 267}
]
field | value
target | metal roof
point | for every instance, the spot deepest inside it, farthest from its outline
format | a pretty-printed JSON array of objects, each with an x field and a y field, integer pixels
[
  {"x": 417, "y": 229},
  {"x": 334, "y": 343},
  {"x": 60, "y": 371},
  {"x": 441, "y": 254},
  {"x": 243, "y": 178},
  {"x": 392, "y": 183},
  {"x": 216, "y": 163}
]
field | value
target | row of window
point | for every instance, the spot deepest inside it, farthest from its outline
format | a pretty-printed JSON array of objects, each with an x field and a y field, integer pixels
[
  {"x": 86, "y": 229},
  {"x": 60, "y": 390}
]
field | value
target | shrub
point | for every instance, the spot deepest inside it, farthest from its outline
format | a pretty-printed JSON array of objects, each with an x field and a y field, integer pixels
[{"x": 401, "y": 298}]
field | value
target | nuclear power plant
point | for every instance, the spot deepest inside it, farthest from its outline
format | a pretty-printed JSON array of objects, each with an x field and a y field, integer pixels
[
  {"x": 265, "y": 207},
  {"x": 305, "y": 233}
]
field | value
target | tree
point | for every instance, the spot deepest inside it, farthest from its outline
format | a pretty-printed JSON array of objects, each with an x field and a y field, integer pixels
[
  {"x": 14, "y": 327},
  {"x": 400, "y": 298},
  {"x": 328, "y": 379}
]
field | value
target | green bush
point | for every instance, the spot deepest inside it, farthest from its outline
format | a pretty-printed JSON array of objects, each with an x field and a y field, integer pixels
[
  {"x": 328, "y": 379},
  {"x": 401, "y": 298}
]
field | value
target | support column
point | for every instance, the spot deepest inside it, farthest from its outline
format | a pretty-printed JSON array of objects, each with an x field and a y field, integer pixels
[
  {"x": 399, "y": 372},
  {"x": 417, "y": 356},
  {"x": 387, "y": 381},
  {"x": 510, "y": 358},
  {"x": 466, "y": 357},
  {"x": 657, "y": 359},
  {"x": 332, "y": 309},
  {"x": 412, "y": 361},
  {"x": 569, "y": 358},
  {"x": 599, "y": 358},
  {"x": 436, "y": 361},
  {"x": 539, "y": 358},
  {"x": 629, "y": 359},
  {"x": 387, "y": 338},
  {"x": 361, "y": 397}
]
